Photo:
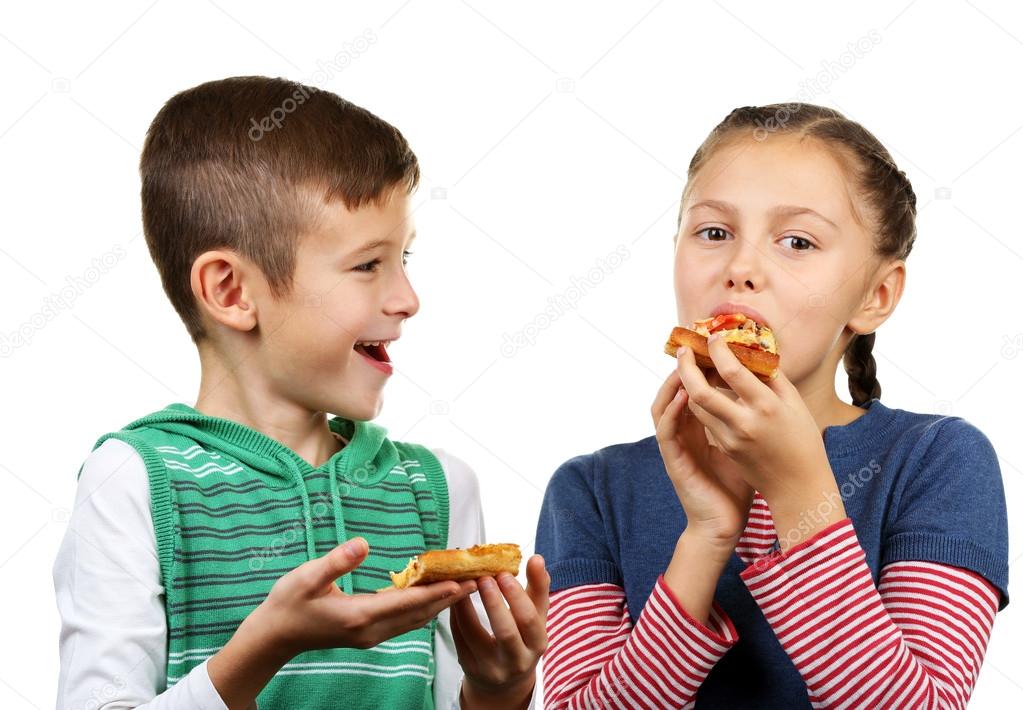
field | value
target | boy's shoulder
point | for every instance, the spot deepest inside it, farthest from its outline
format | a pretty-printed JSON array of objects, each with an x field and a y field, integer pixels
[
  {"x": 132, "y": 446},
  {"x": 458, "y": 471}
]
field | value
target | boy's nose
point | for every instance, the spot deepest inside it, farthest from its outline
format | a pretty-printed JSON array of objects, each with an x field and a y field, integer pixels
[{"x": 404, "y": 301}]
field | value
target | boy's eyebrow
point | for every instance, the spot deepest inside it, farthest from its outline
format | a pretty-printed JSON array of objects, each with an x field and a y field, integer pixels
[
  {"x": 370, "y": 246},
  {"x": 784, "y": 210}
]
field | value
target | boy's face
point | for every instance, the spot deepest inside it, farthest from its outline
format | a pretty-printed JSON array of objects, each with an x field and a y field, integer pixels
[
  {"x": 740, "y": 241},
  {"x": 350, "y": 287}
]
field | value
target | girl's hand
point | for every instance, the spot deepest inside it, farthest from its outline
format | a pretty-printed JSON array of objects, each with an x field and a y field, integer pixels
[
  {"x": 500, "y": 669},
  {"x": 708, "y": 483},
  {"x": 768, "y": 432}
]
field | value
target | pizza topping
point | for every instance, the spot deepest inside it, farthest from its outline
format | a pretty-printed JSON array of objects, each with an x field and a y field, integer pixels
[{"x": 738, "y": 328}]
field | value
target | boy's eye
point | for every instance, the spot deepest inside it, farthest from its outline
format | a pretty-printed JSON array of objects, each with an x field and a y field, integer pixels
[{"x": 369, "y": 266}]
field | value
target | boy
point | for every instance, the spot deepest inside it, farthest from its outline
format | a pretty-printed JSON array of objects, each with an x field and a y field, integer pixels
[{"x": 234, "y": 548}]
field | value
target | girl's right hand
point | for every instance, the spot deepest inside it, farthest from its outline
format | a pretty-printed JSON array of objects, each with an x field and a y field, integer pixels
[{"x": 712, "y": 491}]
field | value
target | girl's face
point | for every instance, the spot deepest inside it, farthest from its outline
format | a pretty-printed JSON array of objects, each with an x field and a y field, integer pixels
[{"x": 770, "y": 225}]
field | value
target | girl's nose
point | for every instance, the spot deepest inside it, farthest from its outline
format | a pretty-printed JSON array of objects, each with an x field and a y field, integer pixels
[{"x": 743, "y": 268}]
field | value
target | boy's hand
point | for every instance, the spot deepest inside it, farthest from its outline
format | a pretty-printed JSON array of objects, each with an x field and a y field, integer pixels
[
  {"x": 500, "y": 669},
  {"x": 305, "y": 610}
]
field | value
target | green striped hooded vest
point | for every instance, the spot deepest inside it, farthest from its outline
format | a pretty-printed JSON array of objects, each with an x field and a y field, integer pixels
[{"x": 234, "y": 510}]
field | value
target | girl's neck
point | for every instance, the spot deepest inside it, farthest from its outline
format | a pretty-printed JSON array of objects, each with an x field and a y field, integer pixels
[{"x": 827, "y": 409}]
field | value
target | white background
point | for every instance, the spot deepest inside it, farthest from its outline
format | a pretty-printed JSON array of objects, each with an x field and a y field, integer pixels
[{"x": 550, "y": 136}]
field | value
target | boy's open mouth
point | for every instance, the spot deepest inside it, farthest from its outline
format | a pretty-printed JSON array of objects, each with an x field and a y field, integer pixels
[{"x": 373, "y": 350}]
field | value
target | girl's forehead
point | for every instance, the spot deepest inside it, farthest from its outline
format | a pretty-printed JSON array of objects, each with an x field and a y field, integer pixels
[{"x": 757, "y": 176}]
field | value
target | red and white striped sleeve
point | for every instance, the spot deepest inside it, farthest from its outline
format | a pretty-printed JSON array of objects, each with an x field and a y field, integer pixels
[
  {"x": 595, "y": 658},
  {"x": 917, "y": 640}
]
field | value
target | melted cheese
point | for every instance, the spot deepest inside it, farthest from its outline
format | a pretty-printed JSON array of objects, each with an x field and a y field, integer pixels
[{"x": 750, "y": 333}]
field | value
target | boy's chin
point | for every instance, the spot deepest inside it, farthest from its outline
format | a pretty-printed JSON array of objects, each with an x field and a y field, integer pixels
[{"x": 363, "y": 410}]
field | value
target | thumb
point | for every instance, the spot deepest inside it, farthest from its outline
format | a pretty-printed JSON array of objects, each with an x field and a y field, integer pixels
[
  {"x": 339, "y": 561},
  {"x": 538, "y": 583}
]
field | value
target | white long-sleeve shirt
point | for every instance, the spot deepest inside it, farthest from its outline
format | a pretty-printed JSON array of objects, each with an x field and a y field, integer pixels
[{"x": 113, "y": 639}]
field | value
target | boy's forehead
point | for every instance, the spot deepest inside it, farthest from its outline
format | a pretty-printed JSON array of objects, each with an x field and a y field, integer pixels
[{"x": 374, "y": 224}]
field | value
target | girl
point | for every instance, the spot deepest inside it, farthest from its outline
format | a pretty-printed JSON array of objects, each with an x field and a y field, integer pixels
[{"x": 775, "y": 547}]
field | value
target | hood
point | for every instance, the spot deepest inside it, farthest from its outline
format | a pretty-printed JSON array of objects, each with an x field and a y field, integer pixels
[{"x": 367, "y": 458}]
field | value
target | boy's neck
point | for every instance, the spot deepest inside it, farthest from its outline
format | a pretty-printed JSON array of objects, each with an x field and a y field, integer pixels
[{"x": 243, "y": 396}]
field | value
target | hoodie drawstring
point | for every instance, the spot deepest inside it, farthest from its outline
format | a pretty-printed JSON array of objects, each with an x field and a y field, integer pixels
[
  {"x": 339, "y": 527},
  {"x": 339, "y": 524},
  {"x": 296, "y": 474}
]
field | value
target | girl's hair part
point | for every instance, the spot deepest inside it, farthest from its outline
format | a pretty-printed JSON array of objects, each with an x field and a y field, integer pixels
[{"x": 885, "y": 190}]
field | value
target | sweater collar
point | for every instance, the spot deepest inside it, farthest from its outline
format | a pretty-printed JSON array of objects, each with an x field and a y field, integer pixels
[{"x": 865, "y": 432}]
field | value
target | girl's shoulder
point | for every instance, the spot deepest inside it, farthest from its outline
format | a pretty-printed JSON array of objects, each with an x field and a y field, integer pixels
[{"x": 631, "y": 464}]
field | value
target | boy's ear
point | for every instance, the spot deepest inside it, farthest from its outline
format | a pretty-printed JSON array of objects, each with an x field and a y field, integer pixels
[
  {"x": 880, "y": 301},
  {"x": 223, "y": 288}
]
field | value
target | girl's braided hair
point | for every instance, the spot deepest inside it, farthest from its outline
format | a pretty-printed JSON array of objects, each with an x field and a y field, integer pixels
[{"x": 885, "y": 189}]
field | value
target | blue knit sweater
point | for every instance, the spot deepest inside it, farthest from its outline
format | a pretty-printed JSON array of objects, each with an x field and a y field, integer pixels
[{"x": 916, "y": 487}]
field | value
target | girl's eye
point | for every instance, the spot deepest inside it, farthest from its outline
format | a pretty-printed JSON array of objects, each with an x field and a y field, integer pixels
[
  {"x": 713, "y": 233},
  {"x": 404, "y": 257},
  {"x": 717, "y": 234},
  {"x": 808, "y": 245}
]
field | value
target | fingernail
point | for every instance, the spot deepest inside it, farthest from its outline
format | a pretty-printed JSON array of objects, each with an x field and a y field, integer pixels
[
  {"x": 353, "y": 546},
  {"x": 485, "y": 583},
  {"x": 713, "y": 337},
  {"x": 682, "y": 350}
]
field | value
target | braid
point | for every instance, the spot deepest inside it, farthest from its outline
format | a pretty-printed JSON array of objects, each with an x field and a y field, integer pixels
[{"x": 862, "y": 369}]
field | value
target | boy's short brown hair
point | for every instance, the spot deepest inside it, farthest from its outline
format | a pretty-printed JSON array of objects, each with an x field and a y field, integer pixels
[{"x": 243, "y": 163}]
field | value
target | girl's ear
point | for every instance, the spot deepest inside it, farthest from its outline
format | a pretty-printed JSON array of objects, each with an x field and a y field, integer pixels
[
  {"x": 880, "y": 301},
  {"x": 221, "y": 285}
]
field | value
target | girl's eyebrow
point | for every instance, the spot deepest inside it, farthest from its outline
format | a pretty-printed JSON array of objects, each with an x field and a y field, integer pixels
[{"x": 781, "y": 210}]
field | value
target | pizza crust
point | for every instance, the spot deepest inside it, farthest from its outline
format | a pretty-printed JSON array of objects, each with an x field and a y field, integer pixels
[{"x": 458, "y": 565}]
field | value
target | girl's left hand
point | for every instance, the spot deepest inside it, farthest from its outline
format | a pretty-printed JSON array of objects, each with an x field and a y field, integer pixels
[
  {"x": 500, "y": 669},
  {"x": 768, "y": 431}
]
